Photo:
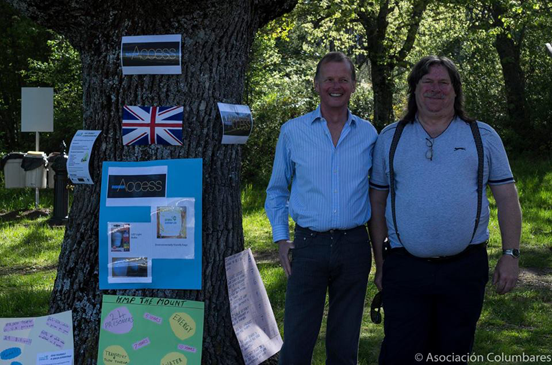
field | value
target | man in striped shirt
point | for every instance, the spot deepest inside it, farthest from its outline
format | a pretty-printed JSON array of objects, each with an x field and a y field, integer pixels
[{"x": 325, "y": 156}]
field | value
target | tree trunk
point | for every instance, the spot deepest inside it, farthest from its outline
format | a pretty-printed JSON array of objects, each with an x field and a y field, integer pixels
[
  {"x": 509, "y": 52},
  {"x": 383, "y": 85},
  {"x": 382, "y": 59},
  {"x": 216, "y": 38},
  {"x": 514, "y": 83}
]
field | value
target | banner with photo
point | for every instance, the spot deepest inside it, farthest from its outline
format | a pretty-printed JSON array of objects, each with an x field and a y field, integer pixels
[
  {"x": 151, "y": 54},
  {"x": 237, "y": 123},
  {"x": 150, "y": 224}
]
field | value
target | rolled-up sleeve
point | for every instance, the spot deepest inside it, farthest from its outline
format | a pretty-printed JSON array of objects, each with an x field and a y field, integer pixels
[{"x": 277, "y": 193}]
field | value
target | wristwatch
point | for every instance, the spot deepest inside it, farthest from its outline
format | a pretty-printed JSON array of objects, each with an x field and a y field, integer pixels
[{"x": 511, "y": 252}]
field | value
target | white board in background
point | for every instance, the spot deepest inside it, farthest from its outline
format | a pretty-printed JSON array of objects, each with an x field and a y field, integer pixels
[{"x": 37, "y": 109}]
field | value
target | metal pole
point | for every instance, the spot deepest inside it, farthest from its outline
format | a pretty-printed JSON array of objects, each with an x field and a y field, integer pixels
[
  {"x": 37, "y": 140},
  {"x": 549, "y": 47}
]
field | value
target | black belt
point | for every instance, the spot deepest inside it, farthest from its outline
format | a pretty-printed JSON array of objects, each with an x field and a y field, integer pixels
[
  {"x": 331, "y": 231},
  {"x": 467, "y": 251}
]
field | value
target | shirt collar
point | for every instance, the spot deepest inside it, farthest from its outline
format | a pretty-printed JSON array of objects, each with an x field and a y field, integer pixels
[{"x": 317, "y": 116}]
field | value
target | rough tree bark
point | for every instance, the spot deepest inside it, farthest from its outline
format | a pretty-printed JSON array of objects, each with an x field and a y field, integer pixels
[
  {"x": 216, "y": 38},
  {"x": 508, "y": 48},
  {"x": 382, "y": 60}
]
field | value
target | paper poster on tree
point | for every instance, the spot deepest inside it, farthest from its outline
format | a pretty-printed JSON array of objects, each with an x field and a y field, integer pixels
[
  {"x": 46, "y": 340},
  {"x": 145, "y": 330}
]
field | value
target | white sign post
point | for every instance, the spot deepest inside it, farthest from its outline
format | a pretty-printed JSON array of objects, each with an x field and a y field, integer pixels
[{"x": 37, "y": 114}]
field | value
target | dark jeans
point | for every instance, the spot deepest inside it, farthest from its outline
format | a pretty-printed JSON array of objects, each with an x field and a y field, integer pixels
[
  {"x": 431, "y": 307},
  {"x": 337, "y": 261}
]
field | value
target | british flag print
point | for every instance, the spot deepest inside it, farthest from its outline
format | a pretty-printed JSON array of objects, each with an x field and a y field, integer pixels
[{"x": 143, "y": 125}]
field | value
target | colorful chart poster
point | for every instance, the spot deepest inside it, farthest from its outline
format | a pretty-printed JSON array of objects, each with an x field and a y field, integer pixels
[
  {"x": 151, "y": 54},
  {"x": 145, "y": 330},
  {"x": 252, "y": 316},
  {"x": 150, "y": 225},
  {"x": 237, "y": 123},
  {"x": 46, "y": 340}
]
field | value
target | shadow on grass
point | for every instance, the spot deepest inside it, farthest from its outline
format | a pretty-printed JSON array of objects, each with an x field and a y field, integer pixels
[{"x": 24, "y": 302}]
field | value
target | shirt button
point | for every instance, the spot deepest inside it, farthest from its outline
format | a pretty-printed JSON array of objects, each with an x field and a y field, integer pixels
[
  {"x": 335, "y": 191},
  {"x": 335, "y": 171},
  {"x": 335, "y": 211}
]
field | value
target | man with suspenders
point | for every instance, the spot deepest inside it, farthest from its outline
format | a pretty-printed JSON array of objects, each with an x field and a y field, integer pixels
[{"x": 427, "y": 192}]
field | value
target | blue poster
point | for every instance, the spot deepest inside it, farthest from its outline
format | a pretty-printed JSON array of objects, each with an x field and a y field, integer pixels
[{"x": 150, "y": 224}]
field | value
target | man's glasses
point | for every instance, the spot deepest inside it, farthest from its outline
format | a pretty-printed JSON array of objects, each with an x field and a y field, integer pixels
[
  {"x": 429, "y": 153},
  {"x": 375, "y": 309}
]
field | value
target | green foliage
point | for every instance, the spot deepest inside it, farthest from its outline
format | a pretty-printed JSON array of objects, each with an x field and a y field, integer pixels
[
  {"x": 62, "y": 71},
  {"x": 20, "y": 40}
]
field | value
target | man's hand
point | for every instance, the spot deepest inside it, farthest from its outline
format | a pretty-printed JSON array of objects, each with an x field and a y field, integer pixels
[
  {"x": 378, "y": 279},
  {"x": 506, "y": 274},
  {"x": 283, "y": 252}
]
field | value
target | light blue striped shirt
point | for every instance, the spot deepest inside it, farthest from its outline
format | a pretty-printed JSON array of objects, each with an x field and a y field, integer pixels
[{"x": 329, "y": 185}]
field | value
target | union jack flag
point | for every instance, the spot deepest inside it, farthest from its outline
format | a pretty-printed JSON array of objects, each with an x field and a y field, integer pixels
[{"x": 143, "y": 125}]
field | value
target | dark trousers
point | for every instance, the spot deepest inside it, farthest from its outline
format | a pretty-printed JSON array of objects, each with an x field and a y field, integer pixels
[
  {"x": 431, "y": 308},
  {"x": 338, "y": 262}
]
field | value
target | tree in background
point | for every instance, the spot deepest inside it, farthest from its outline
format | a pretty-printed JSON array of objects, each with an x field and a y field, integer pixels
[
  {"x": 20, "y": 40},
  {"x": 216, "y": 38},
  {"x": 62, "y": 71}
]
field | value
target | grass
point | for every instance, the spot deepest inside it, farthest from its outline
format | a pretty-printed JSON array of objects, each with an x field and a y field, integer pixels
[
  {"x": 512, "y": 324},
  {"x": 517, "y": 323}
]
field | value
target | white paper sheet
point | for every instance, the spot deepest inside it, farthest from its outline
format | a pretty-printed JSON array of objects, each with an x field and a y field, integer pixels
[
  {"x": 252, "y": 316},
  {"x": 80, "y": 152},
  {"x": 55, "y": 358}
]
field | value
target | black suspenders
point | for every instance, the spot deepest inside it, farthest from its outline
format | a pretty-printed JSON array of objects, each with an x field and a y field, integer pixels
[{"x": 478, "y": 145}]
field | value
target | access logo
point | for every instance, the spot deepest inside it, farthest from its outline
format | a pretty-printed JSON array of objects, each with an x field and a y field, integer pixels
[{"x": 137, "y": 186}]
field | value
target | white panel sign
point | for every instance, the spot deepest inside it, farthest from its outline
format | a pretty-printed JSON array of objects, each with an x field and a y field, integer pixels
[{"x": 37, "y": 109}]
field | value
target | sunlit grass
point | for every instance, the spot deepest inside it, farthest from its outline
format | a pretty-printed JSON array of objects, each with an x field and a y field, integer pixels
[{"x": 512, "y": 324}]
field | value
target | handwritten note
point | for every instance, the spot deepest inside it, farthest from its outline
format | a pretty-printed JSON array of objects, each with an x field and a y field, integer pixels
[
  {"x": 141, "y": 343},
  {"x": 174, "y": 358},
  {"x": 58, "y": 325},
  {"x": 53, "y": 339},
  {"x": 26, "y": 341},
  {"x": 151, "y": 317},
  {"x": 252, "y": 316},
  {"x": 187, "y": 348},
  {"x": 37, "y": 340},
  {"x": 182, "y": 325},
  {"x": 119, "y": 321},
  {"x": 19, "y": 325},
  {"x": 115, "y": 355}
]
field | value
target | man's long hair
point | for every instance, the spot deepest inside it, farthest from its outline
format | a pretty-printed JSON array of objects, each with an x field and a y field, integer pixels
[{"x": 421, "y": 69}]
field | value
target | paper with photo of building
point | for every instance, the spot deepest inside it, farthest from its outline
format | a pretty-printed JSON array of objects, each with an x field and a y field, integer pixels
[{"x": 237, "y": 123}]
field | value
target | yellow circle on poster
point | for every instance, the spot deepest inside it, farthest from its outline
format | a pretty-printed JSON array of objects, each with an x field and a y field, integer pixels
[
  {"x": 115, "y": 355},
  {"x": 182, "y": 325},
  {"x": 174, "y": 358}
]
